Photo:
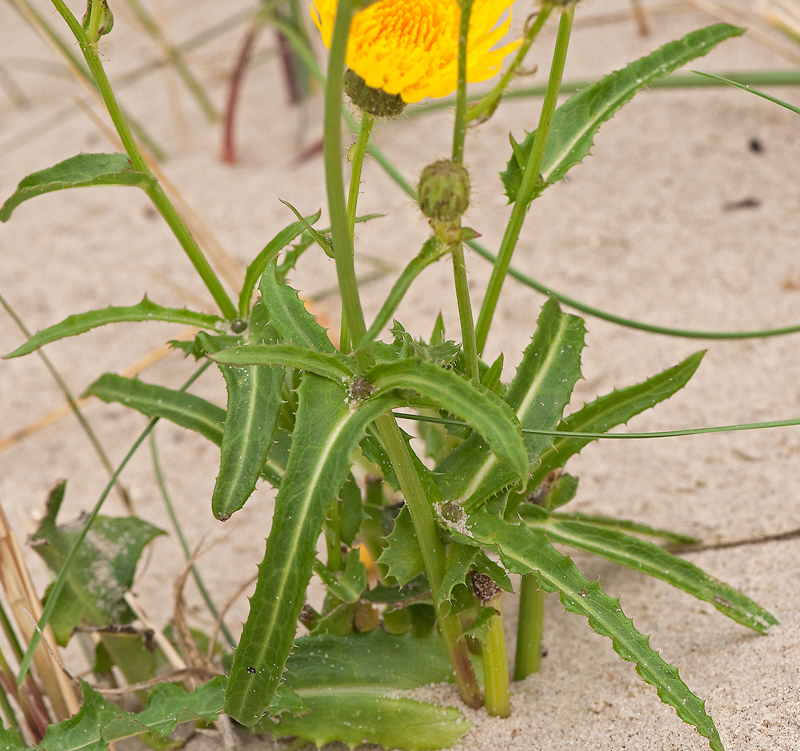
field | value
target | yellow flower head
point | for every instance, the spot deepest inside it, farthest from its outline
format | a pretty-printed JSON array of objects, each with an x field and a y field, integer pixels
[{"x": 410, "y": 47}]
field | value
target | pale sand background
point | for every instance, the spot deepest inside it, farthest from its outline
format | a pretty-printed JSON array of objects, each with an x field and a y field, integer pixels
[{"x": 640, "y": 229}]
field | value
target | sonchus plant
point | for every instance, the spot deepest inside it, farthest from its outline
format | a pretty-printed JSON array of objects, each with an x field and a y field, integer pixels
[{"x": 319, "y": 421}]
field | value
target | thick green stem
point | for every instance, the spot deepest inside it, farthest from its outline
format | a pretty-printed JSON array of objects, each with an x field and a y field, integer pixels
[
  {"x": 433, "y": 554},
  {"x": 341, "y": 233},
  {"x": 465, "y": 313},
  {"x": 530, "y": 179},
  {"x": 529, "y": 628},
  {"x": 156, "y": 194},
  {"x": 484, "y": 109},
  {"x": 495, "y": 664}
]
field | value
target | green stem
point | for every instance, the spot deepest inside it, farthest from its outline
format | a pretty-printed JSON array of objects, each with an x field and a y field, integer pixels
[
  {"x": 433, "y": 554},
  {"x": 495, "y": 664},
  {"x": 341, "y": 234},
  {"x": 58, "y": 585},
  {"x": 460, "y": 130},
  {"x": 530, "y": 179},
  {"x": 176, "y": 525},
  {"x": 156, "y": 194},
  {"x": 529, "y": 628},
  {"x": 465, "y": 313},
  {"x": 484, "y": 109}
]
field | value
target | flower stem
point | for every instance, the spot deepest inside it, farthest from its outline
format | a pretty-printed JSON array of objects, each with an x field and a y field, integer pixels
[
  {"x": 433, "y": 554},
  {"x": 465, "y": 315},
  {"x": 155, "y": 192},
  {"x": 530, "y": 179},
  {"x": 529, "y": 628},
  {"x": 495, "y": 664},
  {"x": 484, "y": 109},
  {"x": 341, "y": 231}
]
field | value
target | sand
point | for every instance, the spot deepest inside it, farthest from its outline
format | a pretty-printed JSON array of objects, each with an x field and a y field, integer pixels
[{"x": 675, "y": 220}]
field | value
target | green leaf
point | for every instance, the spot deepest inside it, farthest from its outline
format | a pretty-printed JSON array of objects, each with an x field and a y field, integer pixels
[
  {"x": 624, "y": 525},
  {"x": 527, "y": 551},
  {"x": 79, "y": 171},
  {"x": 102, "y": 572},
  {"x": 184, "y": 409},
  {"x": 540, "y": 391},
  {"x": 459, "y": 561},
  {"x": 350, "y": 683},
  {"x": 327, "y": 431},
  {"x": 350, "y": 583},
  {"x": 580, "y": 117},
  {"x": 288, "y": 314},
  {"x": 479, "y": 628},
  {"x": 402, "y": 555},
  {"x": 610, "y": 410},
  {"x": 287, "y": 355},
  {"x": 652, "y": 560},
  {"x": 259, "y": 263},
  {"x": 99, "y": 722},
  {"x": 143, "y": 311},
  {"x": 254, "y": 400},
  {"x": 477, "y": 406}
]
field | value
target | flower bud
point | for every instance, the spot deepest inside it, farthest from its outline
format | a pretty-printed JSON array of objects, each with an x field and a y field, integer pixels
[
  {"x": 375, "y": 101},
  {"x": 443, "y": 192}
]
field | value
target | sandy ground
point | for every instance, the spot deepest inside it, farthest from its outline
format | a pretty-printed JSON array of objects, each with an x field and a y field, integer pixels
[{"x": 647, "y": 228}]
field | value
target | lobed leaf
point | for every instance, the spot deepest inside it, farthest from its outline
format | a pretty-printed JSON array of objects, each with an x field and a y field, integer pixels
[
  {"x": 577, "y": 121},
  {"x": 402, "y": 555},
  {"x": 610, "y": 410},
  {"x": 143, "y": 311},
  {"x": 83, "y": 170},
  {"x": 327, "y": 431}
]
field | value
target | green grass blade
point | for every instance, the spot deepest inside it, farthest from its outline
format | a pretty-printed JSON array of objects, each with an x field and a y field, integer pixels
[
  {"x": 624, "y": 525},
  {"x": 187, "y": 410},
  {"x": 749, "y": 89},
  {"x": 477, "y": 406},
  {"x": 540, "y": 391},
  {"x": 527, "y": 551},
  {"x": 577, "y": 121},
  {"x": 143, "y": 311},
  {"x": 287, "y": 355},
  {"x": 80, "y": 171},
  {"x": 651, "y": 560},
  {"x": 613, "y": 409},
  {"x": 327, "y": 431}
]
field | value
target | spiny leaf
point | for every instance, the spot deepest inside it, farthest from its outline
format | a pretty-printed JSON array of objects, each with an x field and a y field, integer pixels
[
  {"x": 477, "y": 406},
  {"x": 79, "y": 171},
  {"x": 287, "y": 355},
  {"x": 99, "y": 722},
  {"x": 527, "y": 551},
  {"x": 538, "y": 395},
  {"x": 143, "y": 311},
  {"x": 402, "y": 555},
  {"x": 577, "y": 121},
  {"x": 610, "y": 410},
  {"x": 327, "y": 431},
  {"x": 652, "y": 560},
  {"x": 352, "y": 581}
]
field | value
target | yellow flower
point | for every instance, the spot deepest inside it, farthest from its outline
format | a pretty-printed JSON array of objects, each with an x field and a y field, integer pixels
[{"x": 410, "y": 47}]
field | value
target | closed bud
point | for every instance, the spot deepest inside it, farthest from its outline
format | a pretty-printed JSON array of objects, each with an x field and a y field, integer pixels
[{"x": 443, "y": 192}]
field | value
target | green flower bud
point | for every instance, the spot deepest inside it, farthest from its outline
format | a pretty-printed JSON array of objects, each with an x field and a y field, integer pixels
[
  {"x": 443, "y": 192},
  {"x": 375, "y": 101}
]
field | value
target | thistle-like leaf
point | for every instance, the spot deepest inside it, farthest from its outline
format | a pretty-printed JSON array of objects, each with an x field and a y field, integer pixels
[
  {"x": 652, "y": 560},
  {"x": 524, "y": 550},
  {"x": 611, "y": 410},
  {"x": 81, "y": 171},
  {"x": 577, "y": 121},
  {"x": 143, "y": 311},
  {"x": 538, "y": 395},
  {"x": 287, "y": 355},
  {"x": 327, "y": 430},
  {"x": 477, "y": 406}
]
